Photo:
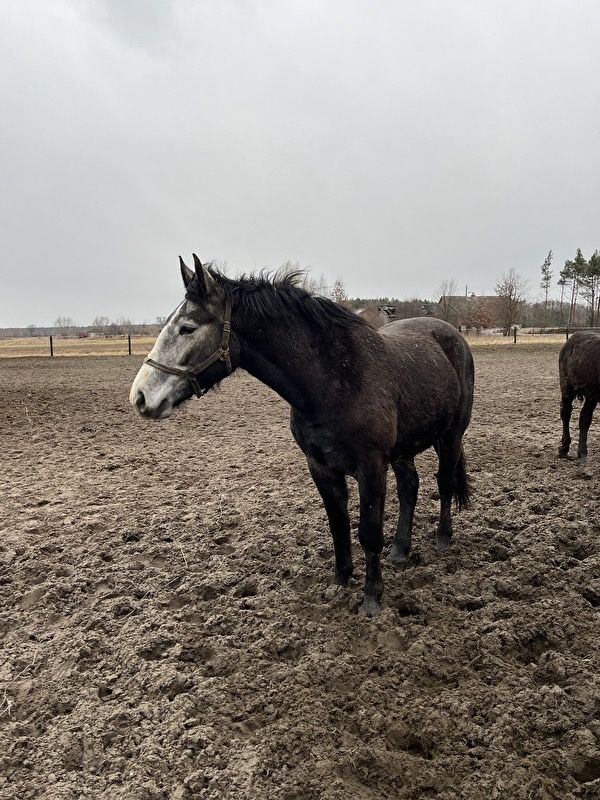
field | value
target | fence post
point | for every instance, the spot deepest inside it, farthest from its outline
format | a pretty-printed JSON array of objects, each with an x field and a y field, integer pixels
[
  {"x": 567, "y": 332},
  {"x": 515, "y": 334},
  {"x": 129, "y": 343},
  {"x": 51, "y": 348}
]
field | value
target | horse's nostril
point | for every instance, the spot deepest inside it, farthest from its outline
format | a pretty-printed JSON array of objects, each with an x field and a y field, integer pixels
[{"x": 140, "y": 400}]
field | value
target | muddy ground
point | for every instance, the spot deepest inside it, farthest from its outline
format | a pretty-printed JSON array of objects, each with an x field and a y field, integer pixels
[{"x": 169, "y": 627}]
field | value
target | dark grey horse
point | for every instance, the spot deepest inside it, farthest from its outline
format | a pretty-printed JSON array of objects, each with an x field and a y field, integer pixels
[
  {"x": 360, "y": 399},
  {"x": 579, "y": 371}
]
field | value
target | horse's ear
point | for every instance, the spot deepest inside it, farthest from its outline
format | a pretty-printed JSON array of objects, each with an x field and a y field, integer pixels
[
  {"x": 186, "y": 273},
  {"x": 203, "y": 276}
]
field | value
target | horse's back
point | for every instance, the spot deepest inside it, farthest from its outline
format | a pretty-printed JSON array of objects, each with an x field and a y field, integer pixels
[
  {"x": 454, "y": 346},
  {"x": 449, "y": 383},
  {"x": 579, "y": 363}
]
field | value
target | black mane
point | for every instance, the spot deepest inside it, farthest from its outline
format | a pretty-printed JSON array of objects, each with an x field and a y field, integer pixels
[{"x": 278, "y": 294}]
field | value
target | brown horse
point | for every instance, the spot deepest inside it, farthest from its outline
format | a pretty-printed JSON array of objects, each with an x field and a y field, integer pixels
[
  {"x": 579, "y": 372},
  {"x": 360, "y": 399}
]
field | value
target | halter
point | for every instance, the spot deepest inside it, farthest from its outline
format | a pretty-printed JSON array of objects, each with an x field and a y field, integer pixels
[{"x": 193, "y": 373}]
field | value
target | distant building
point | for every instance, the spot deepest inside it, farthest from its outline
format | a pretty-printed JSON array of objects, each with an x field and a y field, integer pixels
[
  {"x": 389, "y": 312},
  {"x": 380, "y": 315}
]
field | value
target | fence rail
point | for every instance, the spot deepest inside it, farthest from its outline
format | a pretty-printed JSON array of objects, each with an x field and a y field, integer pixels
[
  {"x": 139, "y": 344},
  {"x": 573, "y": 329},
  {"x": 566, "y": 330},
  {"x": 516, "y": 334}
]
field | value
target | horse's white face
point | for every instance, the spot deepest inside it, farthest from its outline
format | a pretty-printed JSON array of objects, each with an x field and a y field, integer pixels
[{"x": 190, "y": 335}]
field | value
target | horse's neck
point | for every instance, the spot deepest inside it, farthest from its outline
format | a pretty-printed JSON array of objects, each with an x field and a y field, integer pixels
[{"x": 280, "y": 355}]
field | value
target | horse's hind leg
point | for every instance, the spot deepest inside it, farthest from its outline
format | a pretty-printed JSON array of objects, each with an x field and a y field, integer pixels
[
  {"x": 371, "y": 488},
  {"x": 407, "y": 481},
  {"x": 566, "y": 407},
  {"x": 334, "y": 492},
  {"x": 448, "y": 453},
  {"x": 585, "y": 420}
]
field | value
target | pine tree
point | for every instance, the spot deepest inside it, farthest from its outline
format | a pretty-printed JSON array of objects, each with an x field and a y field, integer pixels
[
  {"x": 546, "y": 278},
  {"x": 339, "y": 293},
  {"x": 590, "y": 284},
  {"x": 568, "y": 279}
]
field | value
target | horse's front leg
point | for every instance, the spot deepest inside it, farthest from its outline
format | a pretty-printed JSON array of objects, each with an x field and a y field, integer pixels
[
  {"x": 585, "y": 420},
  {"x": 371, "y": 487},
  {"x": 334, "y": 493}
]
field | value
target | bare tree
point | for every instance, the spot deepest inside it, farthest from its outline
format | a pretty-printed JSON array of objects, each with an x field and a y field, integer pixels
[
  {"x": 306, "y": 280},
  {"x": 512, "y": 292},
  {"x": 316, "y": 285},
  {"x": 293, "y": 267},
  {"x": 119, "y": 326},
  {"x": 321, "y": 286},
  {"x": 481, "y": 312},
  {"x": 446, "y": 291},
  {"x": 100, "y": 322},
  {"x": 63, "y": 322}
]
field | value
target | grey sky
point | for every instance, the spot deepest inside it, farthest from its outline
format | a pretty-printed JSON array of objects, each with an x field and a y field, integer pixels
[{"x": 394, "y": 144}]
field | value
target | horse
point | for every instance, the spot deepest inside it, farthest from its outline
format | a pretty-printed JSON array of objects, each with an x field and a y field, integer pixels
[
  {"x": 579, "y": 372},
  {"x": 360, "y": 399}
]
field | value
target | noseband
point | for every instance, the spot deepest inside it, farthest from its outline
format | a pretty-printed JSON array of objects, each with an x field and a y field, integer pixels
[{"x": 193, "y": 373}]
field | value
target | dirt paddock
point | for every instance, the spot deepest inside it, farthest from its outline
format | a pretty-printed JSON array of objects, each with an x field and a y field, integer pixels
[{"x": 169, "y": 627}]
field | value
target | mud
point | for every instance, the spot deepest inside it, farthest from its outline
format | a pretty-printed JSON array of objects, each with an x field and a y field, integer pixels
[{"x": 170, "y": 629}]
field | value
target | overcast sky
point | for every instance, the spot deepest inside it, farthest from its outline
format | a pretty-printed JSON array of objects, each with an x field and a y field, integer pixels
[{"x": 392, "y": 144}]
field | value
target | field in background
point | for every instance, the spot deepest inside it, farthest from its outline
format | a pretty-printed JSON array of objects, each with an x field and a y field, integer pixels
[
  {"x": 40, "y": 346},
  {"x": 140, "y": 345}
]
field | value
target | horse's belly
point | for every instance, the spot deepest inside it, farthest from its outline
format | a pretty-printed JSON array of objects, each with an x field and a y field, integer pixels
[
  {"x": 324, "y": 446},
  {"x": 416, "y": 433},
  {"x": 413, "y": 445}
]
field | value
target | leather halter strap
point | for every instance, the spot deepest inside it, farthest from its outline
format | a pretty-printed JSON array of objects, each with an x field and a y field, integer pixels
[{"x": 193, "y": 373}]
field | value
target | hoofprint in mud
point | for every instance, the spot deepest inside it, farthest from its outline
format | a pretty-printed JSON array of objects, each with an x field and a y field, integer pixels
[{"x": 360, "y": 400}]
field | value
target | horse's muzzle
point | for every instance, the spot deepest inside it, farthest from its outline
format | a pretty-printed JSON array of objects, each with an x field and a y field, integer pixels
[{"x": 162, "y": 411}]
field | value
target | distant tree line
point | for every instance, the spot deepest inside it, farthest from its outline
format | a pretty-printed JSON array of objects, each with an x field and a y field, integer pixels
[
  {"x": 577, "y": 306},
  {"x": 65, "y": 327},
  {"x": 117, "y": 327}
]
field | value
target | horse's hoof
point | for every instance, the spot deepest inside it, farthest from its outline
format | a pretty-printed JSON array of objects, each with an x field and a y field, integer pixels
[
  {"x": 369, "y": 607},
  {"x": 582, "y": 460},
  {"x": 563, "y": 453},
  {"x": 341, "y": 579},
  {"x": 398, "y": 555},
  {"x": 442, "y": 543}
]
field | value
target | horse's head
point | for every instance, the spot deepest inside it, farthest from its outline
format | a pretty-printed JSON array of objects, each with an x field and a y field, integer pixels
[{"x": 191, "y": 353}]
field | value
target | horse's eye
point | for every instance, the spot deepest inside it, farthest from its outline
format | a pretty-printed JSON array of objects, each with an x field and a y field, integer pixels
[{"x": 186, "y": 329}]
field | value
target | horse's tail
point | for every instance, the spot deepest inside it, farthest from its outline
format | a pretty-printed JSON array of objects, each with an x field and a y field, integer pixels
[{"x": 462, "y": 485}]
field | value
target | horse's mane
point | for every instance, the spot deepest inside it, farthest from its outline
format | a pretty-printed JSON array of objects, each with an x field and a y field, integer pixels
[{"x": 278, "y": 294}]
